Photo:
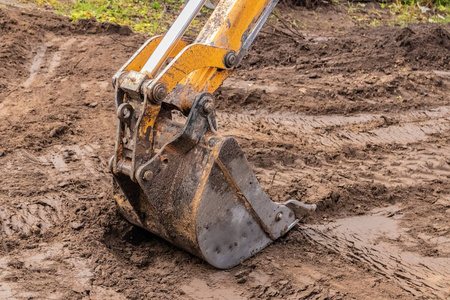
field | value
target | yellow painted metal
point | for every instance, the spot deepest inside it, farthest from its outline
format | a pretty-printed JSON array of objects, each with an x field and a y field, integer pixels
[
  {"x": 230, "y": 21},
  {"x": 198, "y": 69},
  {"x": 142, "y": 55},
  {"x": 182, "y": 215},
  {"x": 193, "y": 57},
  {"x": 228, "y": 27}
]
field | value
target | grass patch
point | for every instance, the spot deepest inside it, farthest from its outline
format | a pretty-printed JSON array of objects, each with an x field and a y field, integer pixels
[
  {"x": 400, "y": 12},
  {"x": 147, "y": 16},
  {"x": 407, "y": 11},
  {"x": 156, "y": 16}
]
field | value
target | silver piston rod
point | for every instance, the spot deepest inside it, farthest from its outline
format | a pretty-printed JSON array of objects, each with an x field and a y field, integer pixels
[{"x": 172, "y": 37}]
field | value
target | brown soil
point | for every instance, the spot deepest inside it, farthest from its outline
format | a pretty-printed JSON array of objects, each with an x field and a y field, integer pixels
[{"x": 356, "y": 120}]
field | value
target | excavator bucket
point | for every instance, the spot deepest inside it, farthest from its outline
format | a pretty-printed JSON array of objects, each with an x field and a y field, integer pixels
[{"x": 174, "y": 174}]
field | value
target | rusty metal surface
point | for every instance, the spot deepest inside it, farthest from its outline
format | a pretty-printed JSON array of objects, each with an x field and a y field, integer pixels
[
  {"x": 235, "y": 218},
  {"x": 233, "y": 25},
  {"x": 190, "y": 59},
  {"x": 184, "y": 181},
  {"x": 273, "y": 218},
  {"x": 199, "y": 193},
  {"x": 251, "y": 35}
]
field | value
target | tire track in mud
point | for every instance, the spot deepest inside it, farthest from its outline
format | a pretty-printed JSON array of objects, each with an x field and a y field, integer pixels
[
  {"x": 43, "y": 65},
  {"x": 36, "y": 64},
  {"x": 42, "y": 69},
  {"x": 59, "y": 166},
  {"x": 47, "y": 179},
  {"x": 37, "y": 216},
  {"x": 72, "y": 264},
  {"x": 335, "y": 135},
  {"x": 335, "y": 131},
  {"x": 46, "y": 272},
  {"x": 416, "y": 159},
  {"x": 370, "y": 240}
]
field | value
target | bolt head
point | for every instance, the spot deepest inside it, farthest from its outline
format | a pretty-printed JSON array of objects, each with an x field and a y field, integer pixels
[
  {"x": 159, "y": 92},
  {"x": 126, "y": 113},
  {"x": 230, "y": 59},
  {"x": 207, "y": 104},
  {"x": 148, "y": 175},
  {"x": 279, "y": 216},
  {"x": 208, "y": 107}
]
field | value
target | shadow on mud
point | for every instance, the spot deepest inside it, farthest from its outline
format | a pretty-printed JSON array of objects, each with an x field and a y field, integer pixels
[{"x": 140, "y": 247}]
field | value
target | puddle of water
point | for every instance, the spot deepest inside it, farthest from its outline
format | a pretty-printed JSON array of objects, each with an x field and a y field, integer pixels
[
  {"x": 373, "y": 239},
  {"x": 56, "y": 274},
  {"x": 317, "y": 38},
  {"x": 442, "y": 73},
  {"x": 101, "y": 293},
  {"x": 249, "y": 85},
  {"x": 58, "y": 162},
  {"x": 199, "y": 289},
  {"x": 259, "y": 277}
]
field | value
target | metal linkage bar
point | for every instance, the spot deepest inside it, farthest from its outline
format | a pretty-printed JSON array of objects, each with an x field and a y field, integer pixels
[
  {"x": 251, "y": 37},
  {"x": 171, "y": 38}
]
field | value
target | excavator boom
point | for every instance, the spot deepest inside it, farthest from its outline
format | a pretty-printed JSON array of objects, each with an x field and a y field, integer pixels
[{"x": 177, "y": 176}]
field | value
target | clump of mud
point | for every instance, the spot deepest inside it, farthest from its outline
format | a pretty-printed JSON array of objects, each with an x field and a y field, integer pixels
[
  {"x": 430, "y": 45},
  {"x": 6, "y": 22},
  {"x": 415, "y": 39},
  {"x": 304, "y": 3},
  {"x": 91, "y": 26}
]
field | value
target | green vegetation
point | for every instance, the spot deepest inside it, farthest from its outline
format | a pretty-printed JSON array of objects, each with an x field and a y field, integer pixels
[
  {"x": 401, "y": 12},
  {"x": 408, "y": 11},
  {"x": 156, "y": 16},
  {"x": 150, "y": 16}
]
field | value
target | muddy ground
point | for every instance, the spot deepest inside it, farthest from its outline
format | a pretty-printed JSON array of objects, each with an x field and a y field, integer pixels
[{"x": 354, "y": 119}]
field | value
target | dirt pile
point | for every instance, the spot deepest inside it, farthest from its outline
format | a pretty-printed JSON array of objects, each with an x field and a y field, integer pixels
[
  {"x": 11, "y": 52},
  {"x": 371, "y": 49},
  {"x": 91, "y": 26},
  {"x": 332, "y": 73},
  {"x": 429, "y": 46}
]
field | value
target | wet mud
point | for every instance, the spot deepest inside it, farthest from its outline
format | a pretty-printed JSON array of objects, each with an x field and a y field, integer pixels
[{"x": 352, "y": 119}]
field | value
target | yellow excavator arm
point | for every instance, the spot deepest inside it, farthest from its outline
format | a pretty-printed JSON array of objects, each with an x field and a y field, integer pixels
[{"x": 182, "y": 180}]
